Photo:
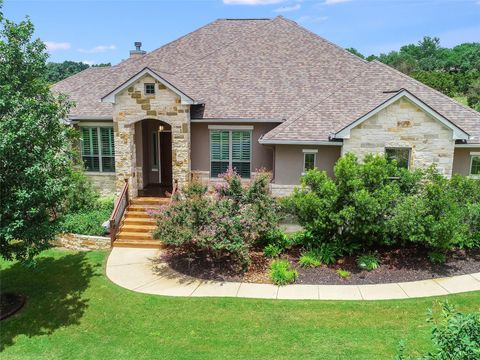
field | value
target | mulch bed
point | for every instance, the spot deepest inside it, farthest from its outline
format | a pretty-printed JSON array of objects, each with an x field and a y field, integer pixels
[
  {"x": 10, "y": 303},
  {"x": 396, "y": 265}
]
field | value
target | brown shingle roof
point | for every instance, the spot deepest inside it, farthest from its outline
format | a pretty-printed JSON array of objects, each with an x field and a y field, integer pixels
[
  {"x": 266, "y": 69},
  {"x": 362, "y": 93}
]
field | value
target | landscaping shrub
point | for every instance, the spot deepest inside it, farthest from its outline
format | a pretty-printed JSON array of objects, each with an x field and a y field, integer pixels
[
  {"x": 227, "y": 223},
  {"x": 282, "y": 273},
  {"x": 455, "y": 336},
  {"x": 272, "y": 250},
  {"x": 309, "y": 259},
  {"x": 344, "y": 274},
  {"x": 368, "y": 262},
  {"x": 87, "y": 221},
  {"x": 375, "y": 203}
]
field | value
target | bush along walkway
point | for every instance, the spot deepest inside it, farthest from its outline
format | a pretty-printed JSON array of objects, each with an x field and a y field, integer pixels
[{"x": 141, "y": 270}]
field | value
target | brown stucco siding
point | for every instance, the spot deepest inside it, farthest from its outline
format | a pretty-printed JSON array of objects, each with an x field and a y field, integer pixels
[
  {"x": 262, "y": 156},
  {"x": 289, "y": 161},
  {"x": 462, "y": 160}
]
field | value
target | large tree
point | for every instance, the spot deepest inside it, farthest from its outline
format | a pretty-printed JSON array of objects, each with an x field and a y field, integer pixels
[{"x": 36, "y": 159}]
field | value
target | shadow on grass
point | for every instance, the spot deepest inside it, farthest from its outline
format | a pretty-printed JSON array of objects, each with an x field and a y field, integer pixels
[{"x": 54, "y": 289}]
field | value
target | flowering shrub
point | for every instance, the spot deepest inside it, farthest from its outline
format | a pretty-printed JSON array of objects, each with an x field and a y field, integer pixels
[{"x": 226, "y": 223}]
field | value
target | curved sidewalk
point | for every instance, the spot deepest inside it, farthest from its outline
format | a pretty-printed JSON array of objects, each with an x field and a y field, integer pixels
[{"x": 141, "y": 271}]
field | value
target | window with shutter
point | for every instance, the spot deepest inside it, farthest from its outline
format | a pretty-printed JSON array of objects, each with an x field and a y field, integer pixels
[
  {"x": 230, "y": 149},
  {"x": 98, "y": 150}
]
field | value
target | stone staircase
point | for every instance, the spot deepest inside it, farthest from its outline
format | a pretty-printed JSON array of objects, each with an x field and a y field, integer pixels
[{"x": 137, "y": 225}]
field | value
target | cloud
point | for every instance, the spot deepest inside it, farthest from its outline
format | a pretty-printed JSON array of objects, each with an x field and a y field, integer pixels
[
  {"x": 334, "y": 2},
  {"x": 53, "y": 46},
  {"x": 97, "y": 49},
  {"x": 311, "y": 19},
  {"x": 288, "y": 8},
  {"x": 252, "y": 2}
]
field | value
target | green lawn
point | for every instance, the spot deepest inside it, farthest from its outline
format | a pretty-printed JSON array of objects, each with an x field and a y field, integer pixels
[{"x": 74, "y": 312}]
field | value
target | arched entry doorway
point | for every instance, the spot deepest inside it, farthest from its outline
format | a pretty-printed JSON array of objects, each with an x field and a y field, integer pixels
[{"x": 154, "y": 157}]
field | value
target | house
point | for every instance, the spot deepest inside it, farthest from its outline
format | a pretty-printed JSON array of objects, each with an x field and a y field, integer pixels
[{"x": 258, "y": 94}]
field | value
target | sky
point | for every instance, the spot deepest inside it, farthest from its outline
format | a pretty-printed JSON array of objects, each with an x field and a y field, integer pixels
[{"x": 98, "y": 31}]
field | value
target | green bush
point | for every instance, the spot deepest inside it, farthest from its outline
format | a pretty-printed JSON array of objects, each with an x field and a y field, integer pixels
[
  {"x": 455, "y": 336},
  {"x": 309, "y": 259},
  {"x": 87, "y": 221},
  {"x": 227, "y": 223},
  {"x": 344, "y": 274},
  {"x": 282, "y": 273},
  {"x": 368, "y": 262},
  {"x": 272, "y": 250},
  {"x": 376, "y": 203}
]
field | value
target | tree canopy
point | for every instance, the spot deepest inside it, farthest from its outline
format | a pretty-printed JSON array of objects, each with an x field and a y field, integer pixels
[
  {"x": 36, "y": 156},
  {"x": 59, "y": 71},
  {"x": 453, "y": 71}
]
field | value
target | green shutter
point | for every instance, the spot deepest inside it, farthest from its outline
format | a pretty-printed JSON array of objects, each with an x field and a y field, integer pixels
[
  {"x": 475, "y": 170},
  {"x": 108, "y": 148},
  {"x": 219, "y": 152},
  {"x": 90, "y": 149},
  {"x": 241, "y": 145}
]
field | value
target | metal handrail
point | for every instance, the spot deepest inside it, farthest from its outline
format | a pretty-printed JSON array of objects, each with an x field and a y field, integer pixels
[{"x": 118, "y": 212}]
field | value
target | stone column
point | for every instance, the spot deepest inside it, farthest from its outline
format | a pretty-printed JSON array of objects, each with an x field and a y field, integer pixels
[{"x": 125, "y": 155}]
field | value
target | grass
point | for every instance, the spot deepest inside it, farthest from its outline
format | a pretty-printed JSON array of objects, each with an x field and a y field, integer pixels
[{"x": 74, "y": 312}]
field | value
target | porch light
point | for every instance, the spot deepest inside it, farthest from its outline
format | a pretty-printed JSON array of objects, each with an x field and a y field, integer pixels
[{"x": 160, "y": 128}]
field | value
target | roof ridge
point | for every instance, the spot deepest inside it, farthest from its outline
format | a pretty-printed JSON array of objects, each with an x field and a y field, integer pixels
[
  {"x": 269, "y": 22},
  {"x": 426, "y": 86},
  {"x": 294, "y": 23},
  {"x": 331, "y": 92}
]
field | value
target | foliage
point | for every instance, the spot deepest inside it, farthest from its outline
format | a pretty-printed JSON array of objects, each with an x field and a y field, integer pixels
[
  {"x": 453, "y": 71},
  {"x": 309, "y": 259},
  {"x": 227, "y": 223},
  {"x": 282, "y": 273},
  {"x": 375, "y": 203},
  {"x": 327, "y": 253},
  {"x": 455, "y": 336},
  {"x": 272, "y": 250},
  {"x": 81, "y": 195},
  {"x": 368, "y": 262},
  {"x": 87, "y": 221},
  {"x": 59, "y": 71},
  {"x": 36, "y": 156},
  {"x": 344, "y": 274},
  {"x": 437, "y": 257}
]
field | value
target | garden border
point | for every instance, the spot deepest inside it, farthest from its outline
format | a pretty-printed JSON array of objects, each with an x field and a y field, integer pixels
[
  {"x": 82, "y": 242},
  {"x": 140, "y": 270}
]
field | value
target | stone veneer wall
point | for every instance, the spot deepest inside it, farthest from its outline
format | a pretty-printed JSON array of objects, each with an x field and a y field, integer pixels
[
  {"x": 82, "y": 242},
  {"x": 131, "y": 106},
  {"x": 403, "y": 124},
  {"x": 103, "y": 182}
]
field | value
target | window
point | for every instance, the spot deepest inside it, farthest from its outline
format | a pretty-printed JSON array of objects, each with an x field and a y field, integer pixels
[
  {"x": 475, "y": 164},
  {"x": 155, "y": 150},
  {"x": 98, "y": 149},
  {"x": 230, "y": 149},
  {"x": 400, "y": 155},
  {"x": 309, "y": 157},
  {"x": 149, "y": 89}
]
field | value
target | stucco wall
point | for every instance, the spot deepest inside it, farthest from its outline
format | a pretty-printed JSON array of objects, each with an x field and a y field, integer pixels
[
  {"x": 262, "y": 156},
  {"x": 289, "y": 161},
  {"x": 462, "y": 160},
  {"x": 404, "y": 124},
  {"x": 132, "y": 105}
]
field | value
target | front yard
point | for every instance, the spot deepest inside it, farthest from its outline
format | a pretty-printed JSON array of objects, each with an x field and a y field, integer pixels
[{"x": 73, "y": 311}]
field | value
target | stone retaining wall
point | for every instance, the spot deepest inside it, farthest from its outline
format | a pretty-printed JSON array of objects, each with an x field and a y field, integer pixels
[{"x": 82, "y": 242}]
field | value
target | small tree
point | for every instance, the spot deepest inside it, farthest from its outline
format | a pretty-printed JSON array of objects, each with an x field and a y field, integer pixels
[{"x": 36, "y": 159}]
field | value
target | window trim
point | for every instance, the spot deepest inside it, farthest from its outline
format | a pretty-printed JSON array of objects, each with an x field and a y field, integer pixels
[
  {"x": 230, "y": 130},
  {"x": 472, "y": 156},
  {"x": 401, "y": 148},
  {"x": 309, "y": 151},
  {"x": 145, "y": 89},
  {"x": 100, "y": 154}
]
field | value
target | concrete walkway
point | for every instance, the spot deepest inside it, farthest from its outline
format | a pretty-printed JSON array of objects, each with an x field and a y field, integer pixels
[{"x": 140, "y": 270}]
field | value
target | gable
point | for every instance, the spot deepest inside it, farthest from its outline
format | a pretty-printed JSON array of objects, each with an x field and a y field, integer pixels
[
  {"x": 140, "y": 77},
  {"x": 407, "y": 100}
]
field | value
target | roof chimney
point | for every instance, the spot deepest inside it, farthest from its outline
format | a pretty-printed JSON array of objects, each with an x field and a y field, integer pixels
[{"x": 138, "y": 52}]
